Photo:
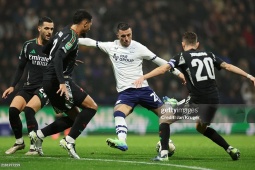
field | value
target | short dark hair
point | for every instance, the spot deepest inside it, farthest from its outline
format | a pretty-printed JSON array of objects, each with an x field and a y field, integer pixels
[
  {"x": 80, "y": 15},
  {"x": 44, "y": 19},
  {"x": 189, "y": 37},
  {"x": 123, "y": 26}
]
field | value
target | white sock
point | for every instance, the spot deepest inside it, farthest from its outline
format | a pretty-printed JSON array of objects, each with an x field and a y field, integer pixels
[
  {"x": 163, "y": 152},
  {"x": 69, "y": 139},
  {"x": 20, "y": 140},
  {"x": 32, "y": 147},
  {"x": 121, "y": 128},
  {"x": 40, "y": 134}
]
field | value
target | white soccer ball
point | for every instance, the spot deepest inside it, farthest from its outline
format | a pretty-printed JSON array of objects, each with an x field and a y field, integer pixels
[{"x": 171, "y": 148}]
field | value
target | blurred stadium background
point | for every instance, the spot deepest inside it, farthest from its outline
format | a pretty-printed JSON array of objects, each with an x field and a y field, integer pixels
[{"x": 225, "y": 27}]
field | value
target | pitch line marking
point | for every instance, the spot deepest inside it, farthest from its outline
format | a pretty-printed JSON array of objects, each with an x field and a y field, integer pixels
[{"x": 134, "y": 162}]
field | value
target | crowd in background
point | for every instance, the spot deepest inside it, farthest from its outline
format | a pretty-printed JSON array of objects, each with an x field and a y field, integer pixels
[{"x": 225, "y": 27}]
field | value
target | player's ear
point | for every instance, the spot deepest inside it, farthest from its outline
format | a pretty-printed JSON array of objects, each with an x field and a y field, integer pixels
[
  {"x": 197, "y": 44},
  {"x": 39, "y": 28},
  {"x": 183, "y": 45}
]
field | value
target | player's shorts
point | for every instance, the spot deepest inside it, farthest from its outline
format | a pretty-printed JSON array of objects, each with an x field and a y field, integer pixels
[
  {"x": 59, "y": 103},
  {"x": 144, "y": 96},
  {"x": 27, "y": 94},
  {"x": 206, "y": 107}
]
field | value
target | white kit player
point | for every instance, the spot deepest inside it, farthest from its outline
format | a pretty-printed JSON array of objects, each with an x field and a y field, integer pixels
[{"x": 127, "y": 57}]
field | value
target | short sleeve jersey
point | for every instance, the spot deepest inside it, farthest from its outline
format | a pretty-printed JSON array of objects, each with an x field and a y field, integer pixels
[
  {"x": 126, "y": 61},
  {"x": 65, "y": 41},
  {"x": 198, "y": 69},
  {"x": 32, "y": 57}
]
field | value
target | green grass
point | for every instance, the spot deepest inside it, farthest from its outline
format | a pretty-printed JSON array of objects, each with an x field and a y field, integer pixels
[{"x": 192, "y": 152}]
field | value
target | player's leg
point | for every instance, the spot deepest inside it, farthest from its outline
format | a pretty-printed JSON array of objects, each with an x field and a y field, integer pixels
[
  {"x": 17, "y": 105},
  {"x": 88, "y": 110},
  {"x": 38, "y": 101},
  {"x": 121, "y": 111},
  {"x": 59, "y": 125},
  {"x": 124, "y": 106},
  {"x": 209, "y": 132},
  {"x": 149, "y": 99}
]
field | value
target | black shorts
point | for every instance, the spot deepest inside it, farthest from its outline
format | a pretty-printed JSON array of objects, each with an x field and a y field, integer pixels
[
  {"x": 27, "y": 94},
  {"x": 206, "y": 106},
  {"x": 59, "y": 103}
]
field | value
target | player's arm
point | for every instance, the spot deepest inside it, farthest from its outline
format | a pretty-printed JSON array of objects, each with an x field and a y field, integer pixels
[
  {"x": 157, "y": 71},
  {"x": 237, "y": 70},
  {"x": 87, "y": 42},
  {"x": 159, "y": 61},
  {"x": 19, "y": 72}
]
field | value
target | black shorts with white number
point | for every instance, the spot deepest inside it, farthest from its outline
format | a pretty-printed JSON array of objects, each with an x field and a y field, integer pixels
[
  {"x": 59, "y": 103},
  {"x": 207, "y": 106},
  {"x": 27, "y": 94}
]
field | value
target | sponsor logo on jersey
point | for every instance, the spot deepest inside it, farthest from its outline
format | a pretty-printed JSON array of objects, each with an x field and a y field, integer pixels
[
  {"x": 32, "y": 52},
  {"x": 39, "y": 60},
  {"x": 122, "y": 58}
]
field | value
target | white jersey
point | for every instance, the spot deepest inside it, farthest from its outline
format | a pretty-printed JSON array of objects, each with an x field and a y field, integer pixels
[{"x": 126, "y": 61}]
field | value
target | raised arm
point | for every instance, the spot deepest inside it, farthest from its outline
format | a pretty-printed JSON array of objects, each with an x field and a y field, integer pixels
[{"x": 237, "y": 70}]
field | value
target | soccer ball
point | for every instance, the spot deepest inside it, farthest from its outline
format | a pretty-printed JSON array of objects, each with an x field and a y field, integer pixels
[{"x": 171, "y": 147}]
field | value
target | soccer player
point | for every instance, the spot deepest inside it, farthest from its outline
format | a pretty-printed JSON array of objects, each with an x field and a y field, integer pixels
[
  {"x": 63, "y": 93},
  {"x": 198, "y": 68},
  {"x": 31, "y": 97},
  {"x": 127, "y": 56}
]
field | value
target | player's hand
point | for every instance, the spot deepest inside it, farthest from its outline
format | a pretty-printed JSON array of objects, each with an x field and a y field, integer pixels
[
  {"x": 7, "y": 92},
  {"x": 63, "y": 91},
  {"x": 138, "y": 83},
  {"x": 252, "y": 79},
  {"x": 181, "y": 76},
  {"x": 77, "y": 62}
]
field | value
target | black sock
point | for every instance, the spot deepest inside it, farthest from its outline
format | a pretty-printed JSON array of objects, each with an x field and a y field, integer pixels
[
  {"x": 215, "y": 137},
  {"x": 81, "y": 121},
  {"x": 30, "y": 118},
  {"x": 164, "y": 134},
  {"x": 59, "y": 125},
  {"x": 15, "y": 122}
]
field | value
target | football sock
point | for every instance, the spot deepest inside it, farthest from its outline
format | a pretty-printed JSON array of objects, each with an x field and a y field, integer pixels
[
  {"x": 59, "y": 125},
  {"x": 19, "y": 141},
  {"x": 15, "y": 122},
  {"x": 215, "y": 137},
  {"x": 164, "y": 134},
  {"x": 30, "y": 118},
  {"x": 70, "y": 139},
  {"x": 40, "y": 134},
  {"x": 81, "y": 121},
  {"x": 120, "y": 125}
]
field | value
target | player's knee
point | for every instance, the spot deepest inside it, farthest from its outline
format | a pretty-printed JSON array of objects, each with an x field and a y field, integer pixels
[
  {"x": 13, "y": 113},
  {"x": 201, "y": 128}
]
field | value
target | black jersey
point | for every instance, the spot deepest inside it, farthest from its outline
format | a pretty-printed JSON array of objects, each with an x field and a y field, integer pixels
[
  {"x": 63, "y": 49},
  {"x": 32, "y": 57},
  {"x": 198, "y": 69}
]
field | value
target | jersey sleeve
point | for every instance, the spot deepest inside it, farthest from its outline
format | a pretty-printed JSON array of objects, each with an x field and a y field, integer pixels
[
  {"x": 22, "y": 64},
  {"x": 175, "y": 61},
  {"x": 146, "y": 53},
  {"x": 216, "y": 61},
  {"x": 104, "y": 46}
]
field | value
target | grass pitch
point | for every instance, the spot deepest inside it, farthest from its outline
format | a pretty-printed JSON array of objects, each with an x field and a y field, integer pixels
[{"x": 192, "y": 152}]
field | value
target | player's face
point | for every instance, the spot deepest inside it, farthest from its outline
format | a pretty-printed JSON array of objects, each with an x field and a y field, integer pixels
[
  {"x": 125, "y": 37},
  {"x": 46, "y": 30},
  {"x": 86, "y": 26}
]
